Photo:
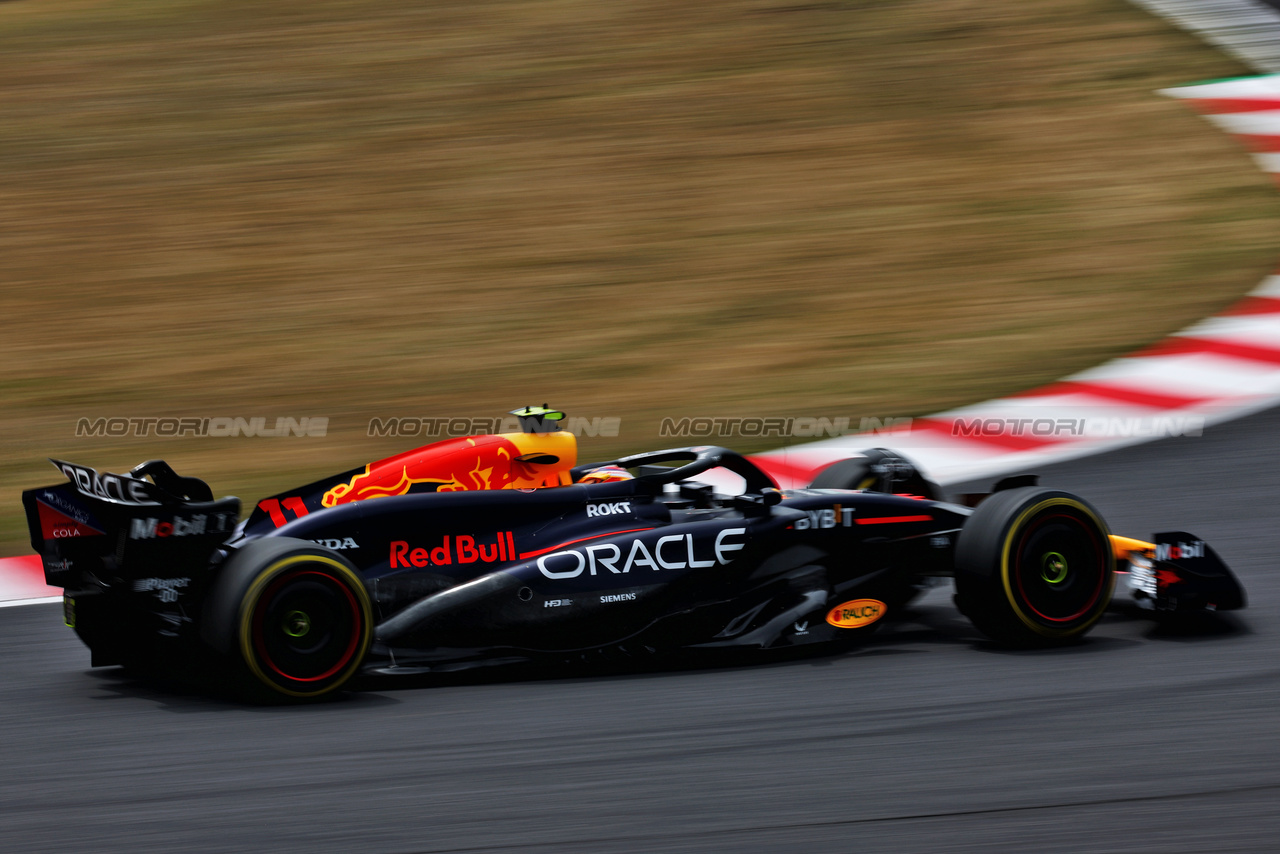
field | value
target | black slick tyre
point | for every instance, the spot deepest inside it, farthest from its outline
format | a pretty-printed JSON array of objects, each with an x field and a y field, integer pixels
[
  {"x": 294, "y": 618},
  {"x": 1034, "y": 567}
]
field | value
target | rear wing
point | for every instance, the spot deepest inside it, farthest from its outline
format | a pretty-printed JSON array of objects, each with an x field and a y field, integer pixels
[{"x": 106, "y": 529}]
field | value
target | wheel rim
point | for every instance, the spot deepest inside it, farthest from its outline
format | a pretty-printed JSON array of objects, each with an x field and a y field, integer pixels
[
  {"x": 1054, "y": 568},
  {"x": 307, "y": 626},
  {"x": 1060, "y": 567},
  {"x": 296, "y": 624}
]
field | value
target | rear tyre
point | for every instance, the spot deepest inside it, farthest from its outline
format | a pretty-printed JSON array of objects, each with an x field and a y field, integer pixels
[
  {"x": 296, "y": 618},
  {"x": 1034, "y": 567}
]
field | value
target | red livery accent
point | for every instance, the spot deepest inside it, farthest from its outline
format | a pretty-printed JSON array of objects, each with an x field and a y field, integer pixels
[
  {"x": 56, "y": 525},
  {"x": 885, "y": 520},
  {"x": 497, "y": 461},
  {"x": 527, "y": 555},
  {"x": 465, "y": 550}
]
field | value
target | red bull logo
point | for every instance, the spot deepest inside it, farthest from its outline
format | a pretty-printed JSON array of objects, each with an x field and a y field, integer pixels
[
  {"x": 463, "y": 549},
  {"x": 501, "y": 461}
]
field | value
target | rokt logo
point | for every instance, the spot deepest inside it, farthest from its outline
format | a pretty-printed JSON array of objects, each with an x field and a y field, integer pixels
[{"x": 608, "y": 508}]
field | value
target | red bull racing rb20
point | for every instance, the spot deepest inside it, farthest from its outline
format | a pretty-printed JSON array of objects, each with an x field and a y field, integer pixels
[{"x": 502, "y": 548}]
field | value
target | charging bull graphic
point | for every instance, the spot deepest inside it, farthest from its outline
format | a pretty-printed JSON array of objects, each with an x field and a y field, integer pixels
[{"x": 500, "y": 461}]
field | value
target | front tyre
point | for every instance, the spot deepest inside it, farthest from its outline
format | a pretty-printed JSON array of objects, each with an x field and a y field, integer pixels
[
  {"x": 1034, "y": 567},
  {"x": 297, "y": 616}
]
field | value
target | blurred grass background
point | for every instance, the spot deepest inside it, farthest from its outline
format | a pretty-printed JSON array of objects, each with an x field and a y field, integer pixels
[{"x": 639, "y": 210}]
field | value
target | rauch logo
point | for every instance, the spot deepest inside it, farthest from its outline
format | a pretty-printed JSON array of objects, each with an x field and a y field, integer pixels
[{"x": 856, "y": 614}]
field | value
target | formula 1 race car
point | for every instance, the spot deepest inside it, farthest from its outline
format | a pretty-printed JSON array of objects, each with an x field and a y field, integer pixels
[{"x": 499, "y": 548}]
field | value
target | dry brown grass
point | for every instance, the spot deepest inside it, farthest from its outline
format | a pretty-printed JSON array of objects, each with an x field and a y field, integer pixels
[{"x": 633, "y": 209}]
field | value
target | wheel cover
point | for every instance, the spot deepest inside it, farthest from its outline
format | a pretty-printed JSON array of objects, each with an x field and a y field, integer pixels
[
  {"x": 306, "y": 625},
  {"x": 1067, "y": 608},
  {"x": 1059, "y": 567}
]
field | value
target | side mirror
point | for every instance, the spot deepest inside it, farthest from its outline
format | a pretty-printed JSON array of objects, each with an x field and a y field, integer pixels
[{"x": 757, "y": 505}]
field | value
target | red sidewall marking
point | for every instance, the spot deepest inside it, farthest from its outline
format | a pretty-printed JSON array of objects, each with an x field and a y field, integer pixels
[
  {"x": 260, "y": 616},
  {"x": 1102, "y": 576}
]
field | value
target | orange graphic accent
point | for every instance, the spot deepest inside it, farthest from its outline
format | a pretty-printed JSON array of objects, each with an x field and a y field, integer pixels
[
  {"x": 501, "y": 461},
  {"x": 1121, "y": 546},
  {"x": 855, "y": 614}
]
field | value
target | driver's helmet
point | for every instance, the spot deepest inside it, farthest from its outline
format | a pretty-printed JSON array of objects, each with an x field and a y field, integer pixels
[{"x": 605, "y": 474}]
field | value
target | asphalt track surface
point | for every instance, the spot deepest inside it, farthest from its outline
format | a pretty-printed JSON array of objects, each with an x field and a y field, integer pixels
[{"x": 926, "y": 739}]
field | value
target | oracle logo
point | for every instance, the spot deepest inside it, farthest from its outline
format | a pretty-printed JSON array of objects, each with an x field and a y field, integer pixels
[{"x": 675, "y": 551}]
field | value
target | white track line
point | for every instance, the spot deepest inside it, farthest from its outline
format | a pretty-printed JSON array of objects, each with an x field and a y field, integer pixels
[{"x": 1243, "y": 28}]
